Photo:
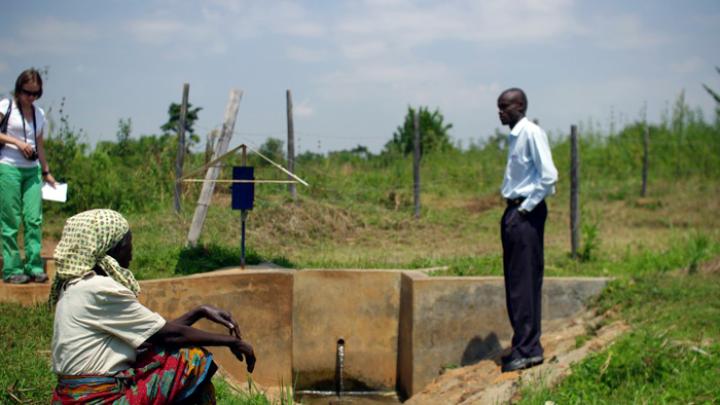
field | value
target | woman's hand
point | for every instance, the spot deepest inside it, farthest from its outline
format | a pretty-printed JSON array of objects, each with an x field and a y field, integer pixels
[
  {"x": 49, "y": 179},
  {"x": 242, "y": 349},
  {"x": 25, "y": 148},
  {"x": 222, "y": 317}
]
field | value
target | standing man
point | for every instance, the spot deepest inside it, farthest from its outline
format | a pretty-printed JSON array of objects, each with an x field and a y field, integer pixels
[{"x": 530, "y": 176}]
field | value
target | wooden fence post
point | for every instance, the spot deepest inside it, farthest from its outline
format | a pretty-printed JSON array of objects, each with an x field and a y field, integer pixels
[
  {"x": 646, "y": 147},
  {"x": 416, "y": 164},
  {"x": 574, "y": 191},
  {"x": 181, "y": 146},
  {"x": 290, "y": 145},
  {"x": 212, "y": 137},
  {"x": 212, "y": 174}
]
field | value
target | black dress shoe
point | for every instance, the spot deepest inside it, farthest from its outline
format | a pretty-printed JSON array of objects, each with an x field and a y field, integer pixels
[
  {"x": 506, "y": 359},
  {"x": 521, "y": 363},
  {"x": 40, "y": 278},
  {"x": 17, "y": 279},
  {"x": 535, "y": 361}
]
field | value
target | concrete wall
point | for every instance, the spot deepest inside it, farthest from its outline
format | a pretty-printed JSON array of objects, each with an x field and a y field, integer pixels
[
  {"x": 400, "y": 328},
  {"x": 28, "y": 294},
  {"x": 360, "y": 306},
  {"x": 261, "y": 303},
  {"x": 457, "y": 321}
]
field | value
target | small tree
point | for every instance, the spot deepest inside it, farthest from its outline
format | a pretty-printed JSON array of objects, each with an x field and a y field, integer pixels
[
  {"x": 272, "y": 149},
  {"x": 173, "y": 123},
  {"x": 433, "y": 133},
  {"x": 123, "y": 135}
]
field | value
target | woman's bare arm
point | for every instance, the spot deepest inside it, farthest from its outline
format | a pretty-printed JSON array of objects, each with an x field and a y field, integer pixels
[
  {"x": 211, "y": 313},
  {"x": 180, "y": 335}
]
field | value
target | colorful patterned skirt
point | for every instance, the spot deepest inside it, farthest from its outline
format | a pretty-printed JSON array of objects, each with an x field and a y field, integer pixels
[{"x": 160, "y": 376}]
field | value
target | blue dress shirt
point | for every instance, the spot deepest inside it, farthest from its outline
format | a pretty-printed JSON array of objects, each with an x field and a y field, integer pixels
[{"x": 530, "y": 172}]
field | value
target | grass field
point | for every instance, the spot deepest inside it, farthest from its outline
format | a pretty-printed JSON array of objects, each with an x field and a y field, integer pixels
[
  {"x": 462, "y": 233},
  {"x": 671, "y": 355}
]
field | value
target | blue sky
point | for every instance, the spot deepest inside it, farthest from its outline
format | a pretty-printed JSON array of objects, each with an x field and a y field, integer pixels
[{"x": 354, "y": 66}]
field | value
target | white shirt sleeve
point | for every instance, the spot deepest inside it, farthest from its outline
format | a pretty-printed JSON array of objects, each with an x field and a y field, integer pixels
[
  {"x": 4, "y": 104},
  {"x": 539, "y": 149},
  {"x": 118, "y": 312}
]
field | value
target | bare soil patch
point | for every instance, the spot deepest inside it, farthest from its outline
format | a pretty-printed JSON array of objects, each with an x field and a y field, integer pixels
[{"x": 484, "y": 383}]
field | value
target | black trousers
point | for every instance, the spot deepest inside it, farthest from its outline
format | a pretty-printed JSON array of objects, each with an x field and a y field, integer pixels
[{"x": 523, "y": 266}]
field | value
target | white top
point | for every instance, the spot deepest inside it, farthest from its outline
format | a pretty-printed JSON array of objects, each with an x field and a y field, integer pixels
[
  {"x": 10, "y": 155},
  {"x": 530, "y": 171},
  {"x": 98, "y": 326}
]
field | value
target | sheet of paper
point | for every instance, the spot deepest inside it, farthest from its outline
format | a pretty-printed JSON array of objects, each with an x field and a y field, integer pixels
[{"x": 59, "y": 193}]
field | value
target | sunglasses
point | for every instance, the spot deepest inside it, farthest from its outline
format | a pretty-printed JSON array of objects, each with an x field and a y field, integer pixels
[{"x": 35, "y": 94}]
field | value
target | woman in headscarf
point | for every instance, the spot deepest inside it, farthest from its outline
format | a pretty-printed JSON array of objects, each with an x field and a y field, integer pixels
[{"x": 108, "y": 348}]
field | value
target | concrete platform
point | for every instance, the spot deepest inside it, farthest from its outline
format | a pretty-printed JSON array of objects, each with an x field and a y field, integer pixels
[{"x": 399, "y": 328}]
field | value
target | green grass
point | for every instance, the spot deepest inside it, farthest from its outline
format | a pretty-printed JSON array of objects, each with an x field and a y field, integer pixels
[
  {"x": 26, "y": 334},
  {"x": 250, "y": 395},
  {"x": 671, "y": 355}
]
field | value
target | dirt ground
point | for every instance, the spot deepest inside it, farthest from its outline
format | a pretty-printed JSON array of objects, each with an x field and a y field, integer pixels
[{"x": 484, "y": 383}]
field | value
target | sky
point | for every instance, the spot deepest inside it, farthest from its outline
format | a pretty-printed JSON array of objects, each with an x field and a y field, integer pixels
[{"x": 354, "y": 67}]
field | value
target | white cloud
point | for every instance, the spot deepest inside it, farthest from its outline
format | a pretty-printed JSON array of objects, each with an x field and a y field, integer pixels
[
  {"x": 385, "y": 73},
  {"x": 172, "y": 34},
  {"x": 3, "y": 67},
  {"x": 49, "y": 35},
  {"x": 379, "y": 41},
  {"x": 409, "y": 24},
  {"x": 219, "y": 24},
  {"x": 246, "y": 19},
  {"x": 156, "y": 31},
  {"x": 624, "y": 31},
  {"x": 367, "y": 29},
  {"x": 427, "y": 83}
]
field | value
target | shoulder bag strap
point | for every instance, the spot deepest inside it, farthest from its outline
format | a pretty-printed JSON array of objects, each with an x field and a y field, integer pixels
[
  {"x": 5, "y": 120},
  {"x": 34, "y": 127},
  {"x": 34, "y": 124}
]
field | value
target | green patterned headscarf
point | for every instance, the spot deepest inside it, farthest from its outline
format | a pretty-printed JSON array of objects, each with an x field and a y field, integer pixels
[{"x": 84, "y": 244}]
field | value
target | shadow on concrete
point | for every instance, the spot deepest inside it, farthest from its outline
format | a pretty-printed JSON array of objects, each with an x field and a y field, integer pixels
[{"x": 479, "y": 349}]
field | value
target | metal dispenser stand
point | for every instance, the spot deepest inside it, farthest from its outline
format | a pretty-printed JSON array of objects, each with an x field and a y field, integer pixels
[{"x": 243, "y": 196}]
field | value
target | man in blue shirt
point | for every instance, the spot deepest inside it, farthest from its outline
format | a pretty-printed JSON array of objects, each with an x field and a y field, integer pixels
[{"x": 530, "y": 176}]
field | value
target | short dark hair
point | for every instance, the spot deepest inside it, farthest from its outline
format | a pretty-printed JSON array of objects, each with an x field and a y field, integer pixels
[
  {"x": 523, "y": 97},
  {"x": 27, "y": 76}
]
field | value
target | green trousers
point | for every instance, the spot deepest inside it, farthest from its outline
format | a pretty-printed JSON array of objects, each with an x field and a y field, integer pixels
[{"x": 21, "y": 199}]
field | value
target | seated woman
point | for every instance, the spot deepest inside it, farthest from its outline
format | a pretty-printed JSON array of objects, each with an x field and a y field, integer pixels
[{"x": 107, "y": 348}]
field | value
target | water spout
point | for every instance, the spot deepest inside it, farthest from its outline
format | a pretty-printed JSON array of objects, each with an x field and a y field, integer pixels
[{"x": 339, "y": 366}]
